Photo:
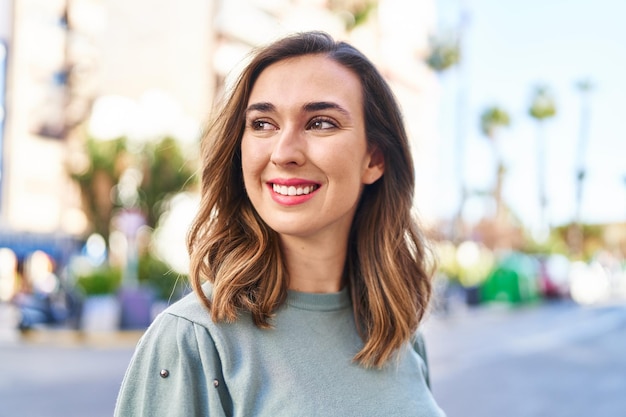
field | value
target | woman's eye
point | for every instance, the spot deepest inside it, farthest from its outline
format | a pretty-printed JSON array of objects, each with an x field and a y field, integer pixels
[
  {"x": 261, "y": 125},
  {"x": 322, "y": 124}
]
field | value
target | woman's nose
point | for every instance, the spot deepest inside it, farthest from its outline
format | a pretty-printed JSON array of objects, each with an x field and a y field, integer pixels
[{"x": 288, "y": 148}]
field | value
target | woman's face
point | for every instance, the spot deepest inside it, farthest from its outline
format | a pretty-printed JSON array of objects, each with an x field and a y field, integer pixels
[{"x": 305, "y": 157}]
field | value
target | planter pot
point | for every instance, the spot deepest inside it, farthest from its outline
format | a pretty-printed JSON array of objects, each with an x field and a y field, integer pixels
[
  {"x": 136, "y": 305},
  {"x": 101, "y": 313}
]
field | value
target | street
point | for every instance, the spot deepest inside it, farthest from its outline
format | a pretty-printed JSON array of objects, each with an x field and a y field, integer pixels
[
  {"x": 555, "y": 359},
  {"x": 52, "y": 381}
]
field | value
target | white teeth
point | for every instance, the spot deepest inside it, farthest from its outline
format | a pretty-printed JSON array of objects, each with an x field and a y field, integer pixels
[{"x": 292, "y": 190}]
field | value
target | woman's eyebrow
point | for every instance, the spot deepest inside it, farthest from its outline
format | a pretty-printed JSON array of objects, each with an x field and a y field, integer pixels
[
  {"x": 324, "y": 105},
  {"x": 266, "y": 107},
  {"x": 262, "y": 107}
]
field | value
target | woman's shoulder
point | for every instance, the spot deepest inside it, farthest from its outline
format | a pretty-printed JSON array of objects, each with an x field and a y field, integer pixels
[
  {"x": 190, "y": 308},
  {"x": 190, "y": 315},
  {"x": 176, "y": 351},
  {"x": 183, "y": 322},
  {"x": 419, "y": 346}
]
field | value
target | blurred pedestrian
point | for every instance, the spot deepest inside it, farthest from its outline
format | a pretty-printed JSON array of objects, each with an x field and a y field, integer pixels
[{"x": 309, "y": 271}]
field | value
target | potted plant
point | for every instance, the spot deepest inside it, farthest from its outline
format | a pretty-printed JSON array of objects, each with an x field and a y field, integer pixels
[{"x": 101, "y": 309}]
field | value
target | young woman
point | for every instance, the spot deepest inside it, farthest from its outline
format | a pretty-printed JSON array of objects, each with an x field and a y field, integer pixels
[{"x": 309, "y": 272}]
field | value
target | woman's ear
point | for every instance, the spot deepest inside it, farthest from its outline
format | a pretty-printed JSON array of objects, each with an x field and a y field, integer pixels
[{"x": 375, "y": 167}]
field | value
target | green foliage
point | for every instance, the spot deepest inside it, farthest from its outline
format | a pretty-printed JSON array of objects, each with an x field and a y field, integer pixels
[
  {"x": 492, "y": 119},
  {"x": 153, "y": 273},
  {"x": 353, "y": 12},
  {"x": 591, "y": 234},
  {"x": 447, "y": 263},
  {"x": 165, "y": 172},
  {"x": 103, "y": 280},
  {"x": 555, "y": 244},
  {"x": 543, "y": 105},
  {"x": 362, "y": 13},
  {"x": 467, "y": 272},
  {"x": 107, "y": 161},
  {"x": 585, "y": 85},
  {"x": 444, "y": 53},
  {"x": 166, "y": 284},
  {"x": 105, "y": 155}
]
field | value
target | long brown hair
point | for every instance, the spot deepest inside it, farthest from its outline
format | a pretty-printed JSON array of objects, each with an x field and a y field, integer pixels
[{"x": 232, "y": 247}]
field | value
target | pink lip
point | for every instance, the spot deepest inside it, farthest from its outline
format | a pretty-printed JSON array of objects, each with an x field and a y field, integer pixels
[
  {"x": 292, "y": 181},
  {"x": 291, "y": 200}
]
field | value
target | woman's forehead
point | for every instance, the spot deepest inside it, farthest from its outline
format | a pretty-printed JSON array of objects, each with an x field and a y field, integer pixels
[{"x": 307, "y": 78}]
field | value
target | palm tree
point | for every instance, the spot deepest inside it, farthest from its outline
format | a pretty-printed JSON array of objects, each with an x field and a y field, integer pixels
[
  {"x": 353, "y": 12},
  {"x": 542, "y": 108},
  {"x": 164, "y": 171},
  {"x": 445, "y": 54},
  {"x": 107, "y": 160},
  {"x": 492, "y": 120},
  {"x": 585, "y": 87}
]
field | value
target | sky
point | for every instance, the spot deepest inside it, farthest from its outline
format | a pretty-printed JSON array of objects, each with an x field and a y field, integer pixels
[{"x": 509, "y": 48}]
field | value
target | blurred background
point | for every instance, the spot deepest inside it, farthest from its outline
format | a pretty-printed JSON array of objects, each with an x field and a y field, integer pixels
[{"x": 513, "y": 114}]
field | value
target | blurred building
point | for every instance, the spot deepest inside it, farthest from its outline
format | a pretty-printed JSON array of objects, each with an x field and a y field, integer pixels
[
  {"x": 59, "y": 58},
  {"x": 35, "y": 199}
]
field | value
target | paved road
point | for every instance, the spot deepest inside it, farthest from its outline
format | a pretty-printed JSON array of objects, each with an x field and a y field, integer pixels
[
  {"x": 59, "y": 373},
  {"x": 43, "y": 381},
  {"x": 555, "y": 360},
  {"x": 550, "y": 360}
]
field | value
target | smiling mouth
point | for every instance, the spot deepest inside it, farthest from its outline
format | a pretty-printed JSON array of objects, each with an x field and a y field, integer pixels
[{"x": 290, "y": 190}]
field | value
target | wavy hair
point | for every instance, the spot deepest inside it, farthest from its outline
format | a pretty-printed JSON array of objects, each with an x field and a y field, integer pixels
[{"x": 387, "y": 267}]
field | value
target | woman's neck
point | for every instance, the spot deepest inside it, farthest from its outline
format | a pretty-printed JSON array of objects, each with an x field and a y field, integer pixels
[{"x": 312, "y": 267}]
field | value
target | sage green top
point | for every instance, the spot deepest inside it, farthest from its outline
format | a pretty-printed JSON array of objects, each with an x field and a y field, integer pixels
[{"x": 187, "y": 365}]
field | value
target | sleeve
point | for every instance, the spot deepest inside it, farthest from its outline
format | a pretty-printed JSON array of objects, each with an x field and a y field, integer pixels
[
  {"x": 175, "y": 371},
  {"x": 420, "y": 347}
]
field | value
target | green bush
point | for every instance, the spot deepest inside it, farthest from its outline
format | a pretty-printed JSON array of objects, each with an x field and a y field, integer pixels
[
  {"x": 166, "y": 284},
  {"x": 105, "y": 280}
]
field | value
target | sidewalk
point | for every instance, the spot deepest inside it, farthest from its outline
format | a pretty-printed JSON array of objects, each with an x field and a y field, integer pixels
[{"x": 59, "y": 336}]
